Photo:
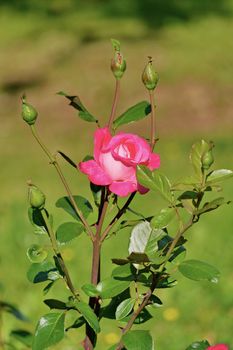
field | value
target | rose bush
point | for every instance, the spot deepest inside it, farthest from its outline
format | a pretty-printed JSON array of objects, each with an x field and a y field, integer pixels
[{"x": 115, "y": 161}]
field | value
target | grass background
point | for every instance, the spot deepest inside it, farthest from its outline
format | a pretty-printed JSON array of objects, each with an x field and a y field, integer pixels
[{"x": 65, "y": 45}]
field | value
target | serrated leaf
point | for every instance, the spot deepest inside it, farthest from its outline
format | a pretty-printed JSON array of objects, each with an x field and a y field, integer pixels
[
  {"x": 90, "y": 290},
  {"x": 82, "y": 203},
  {"x": 198, "y": 270},
  {"x": 77, "y": 104},
  {"x": 89, "y": 315},
  {"x": 42, "y": 272},
  {"x": 110, "y": 287},
  {"x": 162, "y": 219},
  {"x": 198, "y": 345},
  {"x": 218, "y": 176},
  {"x": 134, "y": 113},
  {"x": 124, "y": 308},
  {"x": 197, "y": 152},
  {"x": 156, "y": 181},
  {"x": 55, "y": 304},
  {"x": 68, "y": 231},
  {"x": 49, "y": 331},
  {"x": 22, "y": 336},
  {"x": 36, "y": 253},
  {"x": 138, "y": 340}
]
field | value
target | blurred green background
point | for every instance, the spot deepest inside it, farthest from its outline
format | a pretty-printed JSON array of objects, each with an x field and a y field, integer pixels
[{"x": 48, "y": 46}]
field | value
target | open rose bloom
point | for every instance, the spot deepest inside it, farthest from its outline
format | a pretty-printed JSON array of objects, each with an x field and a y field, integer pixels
[
  {"x": 115, "y": 161},
  {"x": 218, "y": 347}
]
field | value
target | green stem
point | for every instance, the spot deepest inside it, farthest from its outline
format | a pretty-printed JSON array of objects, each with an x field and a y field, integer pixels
[
  {"x": 152, "y": 126},
  {"x": 117, "y": 216},
  {"x": 58, "y": 255},
  {"x": 59, "y": 171},
  {"x": 114, "y": 105}
]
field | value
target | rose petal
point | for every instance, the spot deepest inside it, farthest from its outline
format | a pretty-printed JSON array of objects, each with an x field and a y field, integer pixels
[
  {"x": 154, "y": 161},
  {"x": 95, "y": 173},
  {"x": 101, "y": 141},
  {"x": 142, "y": 189},
  {"x": 218, "y": 347},
  {"x": 123, "y": 188}
]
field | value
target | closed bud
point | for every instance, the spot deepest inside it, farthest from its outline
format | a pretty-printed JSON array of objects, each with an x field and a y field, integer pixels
[
  {"x": 118, "y": 63},
  {"x": 29, "y": 113},
  {"x": 36, "y": 197},
  {"x": 150, "y": 77},
  {"x": 207, "y": 160}
]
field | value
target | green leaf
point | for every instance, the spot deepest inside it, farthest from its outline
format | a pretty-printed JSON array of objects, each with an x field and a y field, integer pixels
[
  {"x": 214, "y": 204},
  {"x": 90, "y": 290},
  {"x": 197, "y": 152},
  {"x": 155, "y": 301},
  {"x": 156, "y": 181},
  {"x": 48, "y": 287},
  {"x": 198, "y": 345},
  {"x": 55, "y": 304},
  {"x": 138, "y": 340},
  {"x": 22, "y": 336},
  {"x": 162, "y": 219},
  {"x": 77, "y": 104},
  {"x": 68, "y": 231},
  {"x": 198, "y": 270},
  {"x": 178, "y": 255},
  {"x": 218, "y": 176},
  {"x": 186, "y": 183},
  {"x": 124, "y": 271},
  {"x": 144, "y": 239},
  {"x": 134, "y": 113},
  {"x": 110, "y": 287},
  {"x": 49, "y": 331},
  {"x": 89, "y": 315},
  {"x": 37, "y": 221},
  {"x": 42, "y": 272},
  {"x": 68, "y": 160},
  {"x": 11, "y": 309},
  {"x": 143, "y": 317},
  {"x": 138, "y": 258},
  {"x": 79, "y": 322},
  {"x": 96, "y": 193},
  {"x": 82, "y": 203},
  {"x": 36, "y": 253},
  {"x": 124, "y": 308}
]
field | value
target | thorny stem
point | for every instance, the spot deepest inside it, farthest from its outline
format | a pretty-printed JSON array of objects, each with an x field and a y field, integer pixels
[
  {"x": 152, "y": 126},
  {"x": 59, "y": 171},
  {"x": 114, "y": 105},
  {"x": 58, "y": 254},
  {"x": 90, "y": 339}
]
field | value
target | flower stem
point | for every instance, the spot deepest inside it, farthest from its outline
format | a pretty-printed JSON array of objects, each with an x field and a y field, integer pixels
[
  {"x": 114, "y": 105},
  {"x": 60, "y": 173},
  {"x": 58, "y": 255},
  {"x": 152, "y": 126},
  {"x": 90, "y": 340}
]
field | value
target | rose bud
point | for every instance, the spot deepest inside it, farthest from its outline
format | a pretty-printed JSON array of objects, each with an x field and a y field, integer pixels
[
  {"x": 118, "y": 63},
  {"x": 150, "y": 77},
  {"x": 36, "y": 197},
  {"x": 29, "y": 113}
]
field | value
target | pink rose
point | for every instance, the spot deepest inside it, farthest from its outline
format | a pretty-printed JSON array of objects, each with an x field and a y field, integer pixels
[
  {"x": 115, "y": 161},
  {"x": 218, "y": 347}
]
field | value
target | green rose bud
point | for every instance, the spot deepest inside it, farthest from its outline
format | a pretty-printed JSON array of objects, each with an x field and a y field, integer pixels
[
  {"x": 118, "y": 63},
  {"x": 207, "y": 160},
  {"x": 150, "y": 77},
  {"x": 36, "y": 197},
  {"x": 29, "y": 113}
]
